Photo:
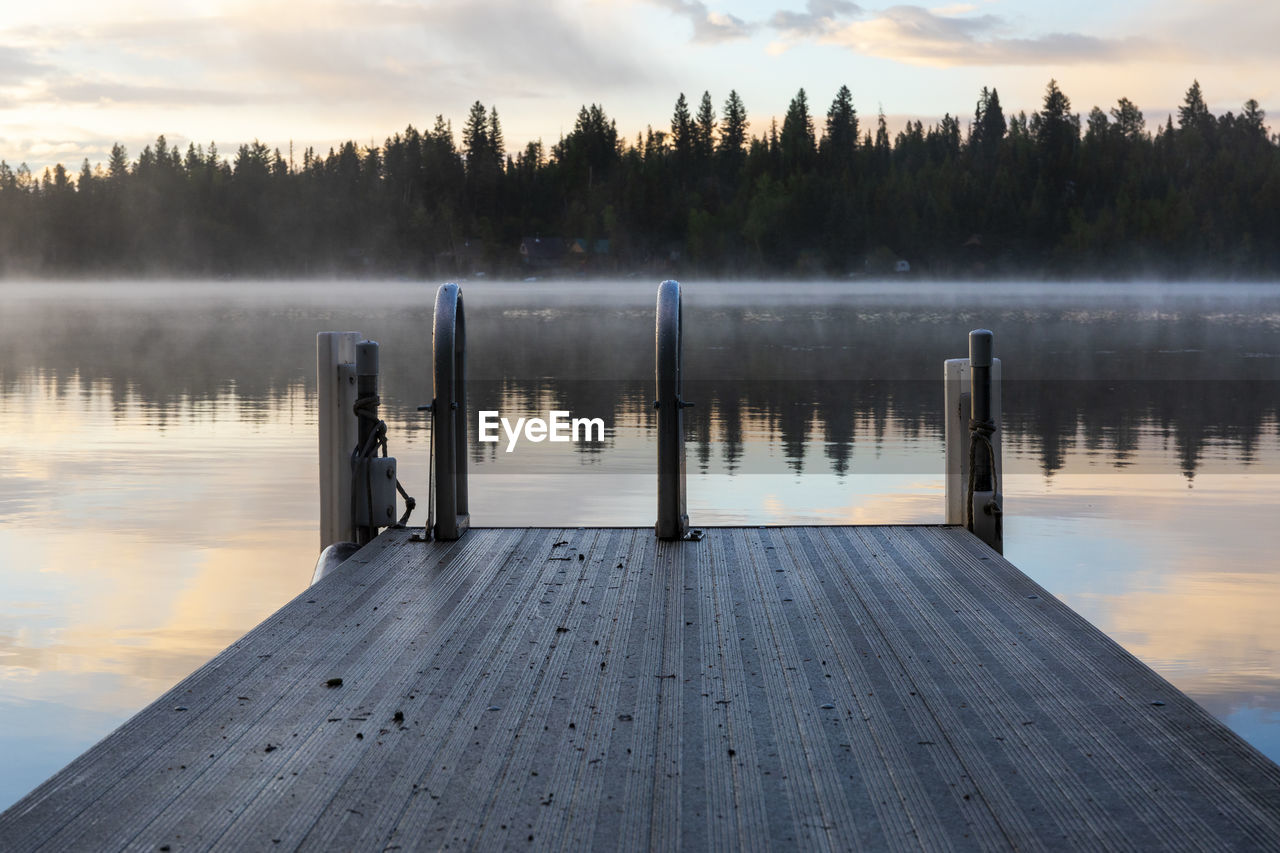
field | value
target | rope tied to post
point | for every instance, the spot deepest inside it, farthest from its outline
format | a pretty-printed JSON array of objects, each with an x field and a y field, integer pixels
[
  {"x": 366, "y": 408},
  {"x": 980, "y": 433}
]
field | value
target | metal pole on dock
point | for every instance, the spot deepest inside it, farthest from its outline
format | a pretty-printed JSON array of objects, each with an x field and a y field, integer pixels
[
  {"x": 449, "y": 413},
  {"x": 973, "y": 441},
  {"x": 357, "y": 486},
  {"x": 366, "y": 525},
  {"x": 673, "y": 517},
  {"x": 336, "y": 397}
]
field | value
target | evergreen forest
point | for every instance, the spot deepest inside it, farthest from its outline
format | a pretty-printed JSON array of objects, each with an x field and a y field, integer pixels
[{"x": 827, "y": 193}]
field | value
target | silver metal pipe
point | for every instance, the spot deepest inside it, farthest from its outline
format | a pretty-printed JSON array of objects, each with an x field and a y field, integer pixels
[
  {"x": 673, "y": 516},
  {"x": 449, "y": 413},
  {"x": 367, "y": 399},
  {"x": 980, "y": 349},
  {"x": 985, "y": 513}
]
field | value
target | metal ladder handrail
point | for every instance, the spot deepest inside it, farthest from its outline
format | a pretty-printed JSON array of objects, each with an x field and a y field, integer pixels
[
  {"x": 449, "y": 413},
  {"x": 673, "y": 517}
]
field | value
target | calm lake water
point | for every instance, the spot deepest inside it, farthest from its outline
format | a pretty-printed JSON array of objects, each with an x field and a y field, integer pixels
[{"x": 158, "y": 468}]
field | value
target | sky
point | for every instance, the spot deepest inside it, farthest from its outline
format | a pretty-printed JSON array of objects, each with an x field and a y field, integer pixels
[{"x": 77, "y": 76}]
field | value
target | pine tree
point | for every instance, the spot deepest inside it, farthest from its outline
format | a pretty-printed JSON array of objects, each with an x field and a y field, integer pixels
[
  {"x": 681, "y": 129},
  {"x": 475, "y": 139},
  {"x": 880, "y": 147},
  {"x": 797, "y": 141},
  {"x": 1194, "y": 112},
  {"x": 988, "y": 128},
  {"x": 1097, "y": 127},
  {"x": 1129, "y": 122},
  {"x": 704, "y": 130},
  {"x": 733, "y": 130},
  {"x": 1253, "y": 118},
  {"x": 1057, "y": 132},
  {"x": 841, "y": 139},
  {"x": 497, "y": 145},
  {"x": 118, "y": 165}
]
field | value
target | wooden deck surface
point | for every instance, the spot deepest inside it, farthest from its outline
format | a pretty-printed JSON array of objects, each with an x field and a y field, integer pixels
[{"x": 824, "y": 688}]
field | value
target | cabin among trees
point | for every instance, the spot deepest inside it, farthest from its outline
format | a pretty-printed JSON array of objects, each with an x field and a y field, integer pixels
[{"x": 1053, "y": 193}]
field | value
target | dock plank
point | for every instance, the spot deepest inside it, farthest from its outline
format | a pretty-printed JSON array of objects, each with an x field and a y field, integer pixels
[{"x": 764, "y": 688}]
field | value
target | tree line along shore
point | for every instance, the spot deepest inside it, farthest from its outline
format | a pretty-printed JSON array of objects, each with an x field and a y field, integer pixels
[{"x": 1053, "y": 194}]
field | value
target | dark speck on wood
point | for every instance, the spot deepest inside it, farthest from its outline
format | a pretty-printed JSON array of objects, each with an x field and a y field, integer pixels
[{"x": 333, "y": 682}]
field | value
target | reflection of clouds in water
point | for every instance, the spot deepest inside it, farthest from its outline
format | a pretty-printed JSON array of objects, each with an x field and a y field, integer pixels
[{"x": 1184, "y": 579}]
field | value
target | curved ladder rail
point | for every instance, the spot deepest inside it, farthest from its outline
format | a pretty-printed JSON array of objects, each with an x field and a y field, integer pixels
[
  {"x": 673, "y": 516},
  {"x": 449, "y": 414}
]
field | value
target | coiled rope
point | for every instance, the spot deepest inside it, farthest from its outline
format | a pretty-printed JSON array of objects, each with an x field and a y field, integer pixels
[
  {"x": 980, "y": 432},
  {"x": 366, "y": 409}
]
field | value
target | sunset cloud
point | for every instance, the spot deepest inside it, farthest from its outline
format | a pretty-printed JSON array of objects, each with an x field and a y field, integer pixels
[
  {"x": 918, "y": 36},
  {"x": 80, "y": 90},
  {"x": 17, "y": 65},
  {"x": 708, "y": 26},
  {"x": 819, "y": 18}
]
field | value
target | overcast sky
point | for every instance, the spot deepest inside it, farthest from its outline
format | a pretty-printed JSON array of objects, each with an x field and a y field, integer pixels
[{"x": 76, "y": 76}]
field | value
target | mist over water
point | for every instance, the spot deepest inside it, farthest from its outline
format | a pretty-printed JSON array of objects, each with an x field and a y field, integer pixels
[{"x": 158, "y": 463}]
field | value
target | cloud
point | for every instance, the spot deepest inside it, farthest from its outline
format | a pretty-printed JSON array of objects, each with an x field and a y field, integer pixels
[
  {"x": 917, "y": 36},
  {"x": 534, "y": 41},
  {"x": 79, "y": 90},
  {"x": 17, "y": 65},
  {"x": 1226, "y": 31},
  {"x": 343, "y": 51},
  {"x": 708, "y": 27},
  {"x": 821, "y": 17}
]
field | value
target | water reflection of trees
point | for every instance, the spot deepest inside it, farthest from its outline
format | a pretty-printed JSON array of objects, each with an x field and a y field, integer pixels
[{"x": 816, "y": 378}]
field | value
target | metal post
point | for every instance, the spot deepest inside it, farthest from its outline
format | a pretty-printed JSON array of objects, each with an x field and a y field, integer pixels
[
  {"x": 367, "y": 396},
  {"x": 673, "y": 517},
  {"x": 958, "y": 407},
  {"x": 449, "y": 413},
  {"x": 984, "y": 510},
  {"x": 336, "y": 396}
]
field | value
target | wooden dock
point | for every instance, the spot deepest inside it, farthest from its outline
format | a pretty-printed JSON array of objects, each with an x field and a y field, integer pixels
[{"x": 825, "y": 688}]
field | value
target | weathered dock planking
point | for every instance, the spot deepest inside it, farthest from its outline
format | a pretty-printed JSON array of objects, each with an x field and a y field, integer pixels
[{"x": 764, "y": 688}]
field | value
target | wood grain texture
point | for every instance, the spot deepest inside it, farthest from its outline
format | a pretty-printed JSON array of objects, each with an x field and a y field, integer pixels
[{"x": 825, "y": 688}]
